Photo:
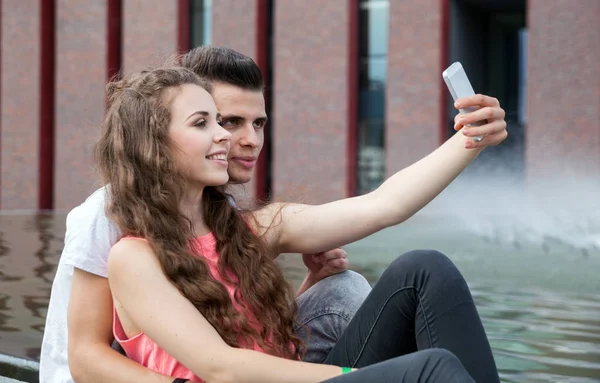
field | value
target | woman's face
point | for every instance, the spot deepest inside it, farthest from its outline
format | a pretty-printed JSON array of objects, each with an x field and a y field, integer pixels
[{"x": 200, "y": 141}]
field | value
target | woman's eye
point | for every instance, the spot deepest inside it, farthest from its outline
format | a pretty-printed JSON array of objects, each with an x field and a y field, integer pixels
[{"x": 200, "y": 124}]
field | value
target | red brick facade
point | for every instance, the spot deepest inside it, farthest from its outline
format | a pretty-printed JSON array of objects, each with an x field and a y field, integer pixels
[
  {"x": 563, "y": 131},
  {"x": 413, "y": 82},
  {"x": 238, "y": 35},
  {"x": 149, "y": 32},
  {"x": 311, "y": 87},
  {"x": 19, "y": 124},
  {"x": 310, "y": 101},
  {"x": 79, "y": 103}
]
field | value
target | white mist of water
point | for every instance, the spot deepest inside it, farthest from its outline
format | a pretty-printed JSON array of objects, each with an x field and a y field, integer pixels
[{"x": 561, "y": 212}]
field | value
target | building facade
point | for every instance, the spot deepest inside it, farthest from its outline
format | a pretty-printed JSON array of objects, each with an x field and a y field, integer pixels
[{"x": 354, "y": 88}]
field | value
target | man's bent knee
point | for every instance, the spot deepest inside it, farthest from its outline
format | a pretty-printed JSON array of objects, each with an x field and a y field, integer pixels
[
  {"x": 343, "y": 292},
  {"x": 325, "y": 310}
]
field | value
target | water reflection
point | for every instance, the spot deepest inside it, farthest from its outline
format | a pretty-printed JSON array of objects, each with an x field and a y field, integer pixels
[
  {"x": 538, "y": 334},
  {"x": 4, "y": 250},
  {"x": 43, "y": 225},
  {"x": 29, "y": 251}
]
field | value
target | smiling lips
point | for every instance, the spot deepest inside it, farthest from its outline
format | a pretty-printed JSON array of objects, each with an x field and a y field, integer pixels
[{"x": 219, "y": 157}]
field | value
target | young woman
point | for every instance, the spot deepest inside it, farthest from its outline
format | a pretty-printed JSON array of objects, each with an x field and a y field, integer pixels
[{"x": 197, "y": 293}]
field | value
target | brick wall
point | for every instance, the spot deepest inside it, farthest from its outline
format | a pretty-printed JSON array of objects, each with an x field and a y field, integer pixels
[
  {"x": 234, "y": 26},
  {"x": 80, "y": 79},
  {"x": 563, "y": 79},
  {"x": 149, "y": 32},
  {"x": 20, "y": 126},
  {"x": 310, "y": 88},
  {"x": 413, "y": 82},
  {"x": 310, "y": 100}
]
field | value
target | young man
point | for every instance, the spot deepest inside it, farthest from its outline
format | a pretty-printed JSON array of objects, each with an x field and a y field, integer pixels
[{"x": 80, "y": 307}]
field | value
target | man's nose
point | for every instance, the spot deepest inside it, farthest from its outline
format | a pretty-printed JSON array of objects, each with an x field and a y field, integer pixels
[{"x": 250, "y": 137}]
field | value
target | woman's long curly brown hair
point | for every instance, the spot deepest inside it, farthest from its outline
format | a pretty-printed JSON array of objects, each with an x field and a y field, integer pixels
[{"x": 135, "y": 159}]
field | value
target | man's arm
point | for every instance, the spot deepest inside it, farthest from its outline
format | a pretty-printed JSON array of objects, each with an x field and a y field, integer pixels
[{"x": 91, "y": 357}]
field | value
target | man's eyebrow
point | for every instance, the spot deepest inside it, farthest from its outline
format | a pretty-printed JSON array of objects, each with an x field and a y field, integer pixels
[
  {"x": 236, "y": 117},
  {"x": 231, "y": 117},
  {"x": 200, "y": 112}
]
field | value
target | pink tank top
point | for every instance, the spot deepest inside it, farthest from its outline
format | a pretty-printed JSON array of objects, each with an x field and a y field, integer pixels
[{"x": 143, "y": 350}]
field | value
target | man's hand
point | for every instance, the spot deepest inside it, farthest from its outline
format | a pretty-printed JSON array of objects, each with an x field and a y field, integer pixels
[
  {"x": 489, "y": 111},
  {"x": 323, "y": 265}
]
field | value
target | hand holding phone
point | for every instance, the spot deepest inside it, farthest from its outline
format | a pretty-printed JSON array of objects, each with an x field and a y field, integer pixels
[{"x": 459, "y": 86}]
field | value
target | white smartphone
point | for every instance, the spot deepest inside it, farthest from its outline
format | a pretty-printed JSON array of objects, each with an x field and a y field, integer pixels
[{"x": 459, "y": 86}]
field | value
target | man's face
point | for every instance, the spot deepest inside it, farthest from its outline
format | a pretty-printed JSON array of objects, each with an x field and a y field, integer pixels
[{"x": 244, "y": 116}]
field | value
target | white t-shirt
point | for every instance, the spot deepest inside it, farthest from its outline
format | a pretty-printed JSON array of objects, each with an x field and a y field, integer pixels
[{"x": 88, "y": 240}]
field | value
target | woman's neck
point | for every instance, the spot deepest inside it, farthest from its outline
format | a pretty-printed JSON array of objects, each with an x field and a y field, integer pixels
[{"x": 191, "y": 207}]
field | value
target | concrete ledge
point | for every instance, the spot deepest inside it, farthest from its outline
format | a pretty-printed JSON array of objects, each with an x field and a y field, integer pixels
[
  {"x": 9, "y": 380},
  {"x": 13, "y": 369}
]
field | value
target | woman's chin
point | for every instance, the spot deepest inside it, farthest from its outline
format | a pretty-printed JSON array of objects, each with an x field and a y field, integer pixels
[
  {"x": 218, "y": 181},
  {"x": 213, "y": 179}
]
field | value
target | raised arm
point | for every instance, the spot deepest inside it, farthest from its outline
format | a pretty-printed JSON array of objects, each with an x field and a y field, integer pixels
[
  {"x": 168, "y": 318},
  {"x": 311, "y": 229}
]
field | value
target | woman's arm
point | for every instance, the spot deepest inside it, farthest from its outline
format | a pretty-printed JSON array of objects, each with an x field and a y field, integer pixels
[
  {"x": 90, "y": 336},
  {"x": 311, "y": 229},
  {"x": 158, "y": 308}
]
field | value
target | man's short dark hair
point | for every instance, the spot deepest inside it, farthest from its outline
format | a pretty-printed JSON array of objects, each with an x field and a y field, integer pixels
[{"x": 224, "y": 65}]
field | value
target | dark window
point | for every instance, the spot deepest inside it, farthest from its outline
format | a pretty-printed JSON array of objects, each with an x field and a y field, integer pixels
[
  {"x": 373, "y": 48},
  {"x": 490, "y": 39},
  {"x": 200, "y": 22}
]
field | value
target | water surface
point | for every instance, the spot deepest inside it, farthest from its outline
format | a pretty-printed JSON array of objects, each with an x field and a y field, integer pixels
[{"x": 539, "y": 304}]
